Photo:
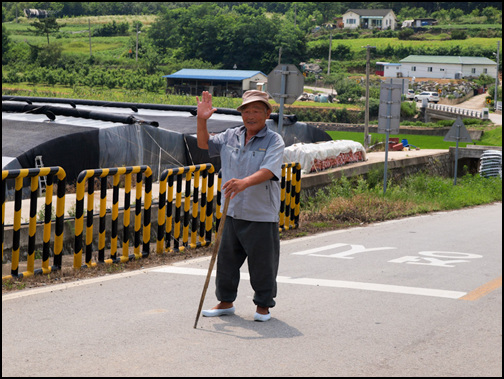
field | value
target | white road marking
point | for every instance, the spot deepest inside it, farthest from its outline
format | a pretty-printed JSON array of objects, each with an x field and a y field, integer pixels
[{"x": 329, "y": 283}]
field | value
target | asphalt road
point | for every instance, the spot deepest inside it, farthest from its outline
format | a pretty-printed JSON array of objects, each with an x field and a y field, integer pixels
[{"x": 420, "y": 296}]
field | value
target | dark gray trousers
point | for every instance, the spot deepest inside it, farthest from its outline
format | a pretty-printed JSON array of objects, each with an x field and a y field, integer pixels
[{"x": 260, "y": 243}]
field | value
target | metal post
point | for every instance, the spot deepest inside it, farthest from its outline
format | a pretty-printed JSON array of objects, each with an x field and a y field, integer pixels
[
  {"x": 136, "y": 54},
  {"x": 387, "y": 131},
  {"x": 282, "y": 99},
  {"x": 159, "y": 165},
  {"x": 366, "y": 122},
  {"x": 366, "y": 119},
  {"x": 456, "y": 155},
  {"x": 330, "y": 47},
  {"x": 496, "y": 78}
]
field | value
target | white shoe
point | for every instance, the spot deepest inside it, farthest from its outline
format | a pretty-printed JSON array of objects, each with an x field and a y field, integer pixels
[
  {"x": 262, "y": 318},
  {"x": 218, "y": 312}
]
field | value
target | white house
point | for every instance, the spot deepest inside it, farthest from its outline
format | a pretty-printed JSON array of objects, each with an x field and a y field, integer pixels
[
  {"x": 369, "y": 19},
  {"x": 446, "y": 67},
  {"x": 440, "y": 67}
]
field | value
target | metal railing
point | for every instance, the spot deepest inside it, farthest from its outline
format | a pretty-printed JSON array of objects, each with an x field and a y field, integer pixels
[
  {"x": 34, "y": 174},
  {"x": 189, "y": 222}
]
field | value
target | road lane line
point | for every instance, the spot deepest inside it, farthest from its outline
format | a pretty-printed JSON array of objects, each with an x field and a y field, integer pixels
[
  {"x": 329, "y": 283},
  {"x": 483, "y": 290},
  {"x": 68, "y": 285}
]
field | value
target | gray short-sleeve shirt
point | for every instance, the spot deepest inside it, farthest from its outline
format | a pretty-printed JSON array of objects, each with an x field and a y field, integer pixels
[{"x": 265, "y": 150}]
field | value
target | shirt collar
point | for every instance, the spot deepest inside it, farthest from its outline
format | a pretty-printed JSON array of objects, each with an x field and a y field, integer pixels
[{"x": 262, "y": 133}]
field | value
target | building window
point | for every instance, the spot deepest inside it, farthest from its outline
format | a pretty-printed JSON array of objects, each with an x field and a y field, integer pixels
[
  {"x": 441, "y": 69},
  {"x": 413, "y": 68},
  {"x": 485, "y": 71},
  {"x": 351, "y": 21},
  {"x": 473, "y": 71},
  {"x": 429, "y": 69}
]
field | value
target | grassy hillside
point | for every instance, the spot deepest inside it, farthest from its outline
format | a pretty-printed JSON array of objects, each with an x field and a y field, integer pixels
[{"x": 74, "y": 38}]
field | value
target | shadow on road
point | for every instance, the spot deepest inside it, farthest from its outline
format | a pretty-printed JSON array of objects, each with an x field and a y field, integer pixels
[{"x": 236, "y": 326}]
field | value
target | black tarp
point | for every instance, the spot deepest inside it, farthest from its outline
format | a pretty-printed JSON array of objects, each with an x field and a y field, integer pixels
[
  {"x": 73, "y": 147},
  {"x": 83, "y": 134}
]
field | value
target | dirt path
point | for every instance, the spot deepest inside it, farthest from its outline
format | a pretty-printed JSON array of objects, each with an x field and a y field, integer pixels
[{"x": 475, "y": 102}]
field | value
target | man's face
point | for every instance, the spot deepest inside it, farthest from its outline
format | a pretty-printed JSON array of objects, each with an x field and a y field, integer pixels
[{"x": 254, "y": 116}]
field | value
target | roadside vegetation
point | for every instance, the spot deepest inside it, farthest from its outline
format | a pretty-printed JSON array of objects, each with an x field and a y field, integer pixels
[{"x": 360, "y": 200}]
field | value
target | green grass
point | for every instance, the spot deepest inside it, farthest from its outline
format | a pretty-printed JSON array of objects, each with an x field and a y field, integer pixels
[
  {"x": 490, "y": 138},
  {"x": 359, "y": 200}
]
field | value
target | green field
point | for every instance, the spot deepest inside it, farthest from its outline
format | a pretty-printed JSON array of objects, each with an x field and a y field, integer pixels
[
  {"x": 357, "y": 44},
  {"x": 490, "y": 138}
]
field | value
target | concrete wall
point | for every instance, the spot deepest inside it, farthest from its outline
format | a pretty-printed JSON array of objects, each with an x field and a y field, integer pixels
[{"x": 439, "y": 164}]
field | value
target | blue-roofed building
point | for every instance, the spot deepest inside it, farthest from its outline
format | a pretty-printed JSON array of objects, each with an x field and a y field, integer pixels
[{"x": 230, "y": 83}]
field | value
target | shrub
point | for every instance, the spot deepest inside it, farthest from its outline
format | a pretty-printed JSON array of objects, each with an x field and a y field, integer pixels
[
  {"x": 458, "y": 34},
  {"x": 405, "y": 33}
]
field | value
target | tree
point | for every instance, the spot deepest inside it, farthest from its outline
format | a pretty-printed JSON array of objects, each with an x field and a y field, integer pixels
[{"x": 46, "y": 26}]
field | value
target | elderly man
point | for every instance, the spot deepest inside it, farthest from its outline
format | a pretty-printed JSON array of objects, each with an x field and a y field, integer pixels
[{"x": 251, "y": 158}]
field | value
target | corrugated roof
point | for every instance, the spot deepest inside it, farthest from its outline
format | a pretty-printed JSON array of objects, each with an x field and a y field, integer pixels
[
  {"x": 370, "y": 12},
  {"x": 188, "y": 73},
  {"x": 446, "y": 59}
]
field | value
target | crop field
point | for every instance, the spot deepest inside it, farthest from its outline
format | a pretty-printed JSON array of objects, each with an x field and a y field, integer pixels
[{"x": 356, "y": 45}]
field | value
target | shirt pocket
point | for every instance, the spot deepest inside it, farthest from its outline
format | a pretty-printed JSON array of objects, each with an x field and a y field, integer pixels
[
  {"x": 254, "y": 161},
  {"x": 230, "y": 156}
]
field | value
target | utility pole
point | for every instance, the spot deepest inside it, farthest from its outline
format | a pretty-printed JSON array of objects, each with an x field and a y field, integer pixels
[
  {"x": 496, "y": 78},
  {"x": 366, "y": 122},
  {"x": 89, "y": 29},
  {"x": 330, "y": 47},
  {"x": 136, "y": 54}
]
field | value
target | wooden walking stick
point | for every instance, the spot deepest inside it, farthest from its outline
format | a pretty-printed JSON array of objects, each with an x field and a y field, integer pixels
[{"x": 212, "y": 260}]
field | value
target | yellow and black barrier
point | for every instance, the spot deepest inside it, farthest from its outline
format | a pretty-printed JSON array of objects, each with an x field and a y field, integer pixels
[
  {"x": 290, "y": 188},
  {"x": 116, "y": 172},
  {"x": 170, "y": 226},
  {"x": 34, "y": 174}
]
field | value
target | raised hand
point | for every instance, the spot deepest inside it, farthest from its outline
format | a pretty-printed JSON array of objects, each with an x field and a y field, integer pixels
[{"x": 205, "y": 110}]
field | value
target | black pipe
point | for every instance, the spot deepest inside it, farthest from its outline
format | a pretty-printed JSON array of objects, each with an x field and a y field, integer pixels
[{"x": 71, "y": 112}]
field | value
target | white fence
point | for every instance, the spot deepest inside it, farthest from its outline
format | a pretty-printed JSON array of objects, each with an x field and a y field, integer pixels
[{"x": 463, "y": 112}]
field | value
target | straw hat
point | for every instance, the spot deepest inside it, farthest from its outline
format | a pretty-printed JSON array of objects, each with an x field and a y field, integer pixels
[{"x": 252, "y": 96}]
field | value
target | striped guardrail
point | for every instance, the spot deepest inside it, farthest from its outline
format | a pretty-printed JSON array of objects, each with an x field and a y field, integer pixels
[
  {"x": 116, "y": 172},
  {"x": 172, "y": 227},
  {"x": 290, "y": 191},
  {"x": 290, "y": 188},
  {"x": 34, "y": 174},
  {"x": 188, "y": 224}
]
